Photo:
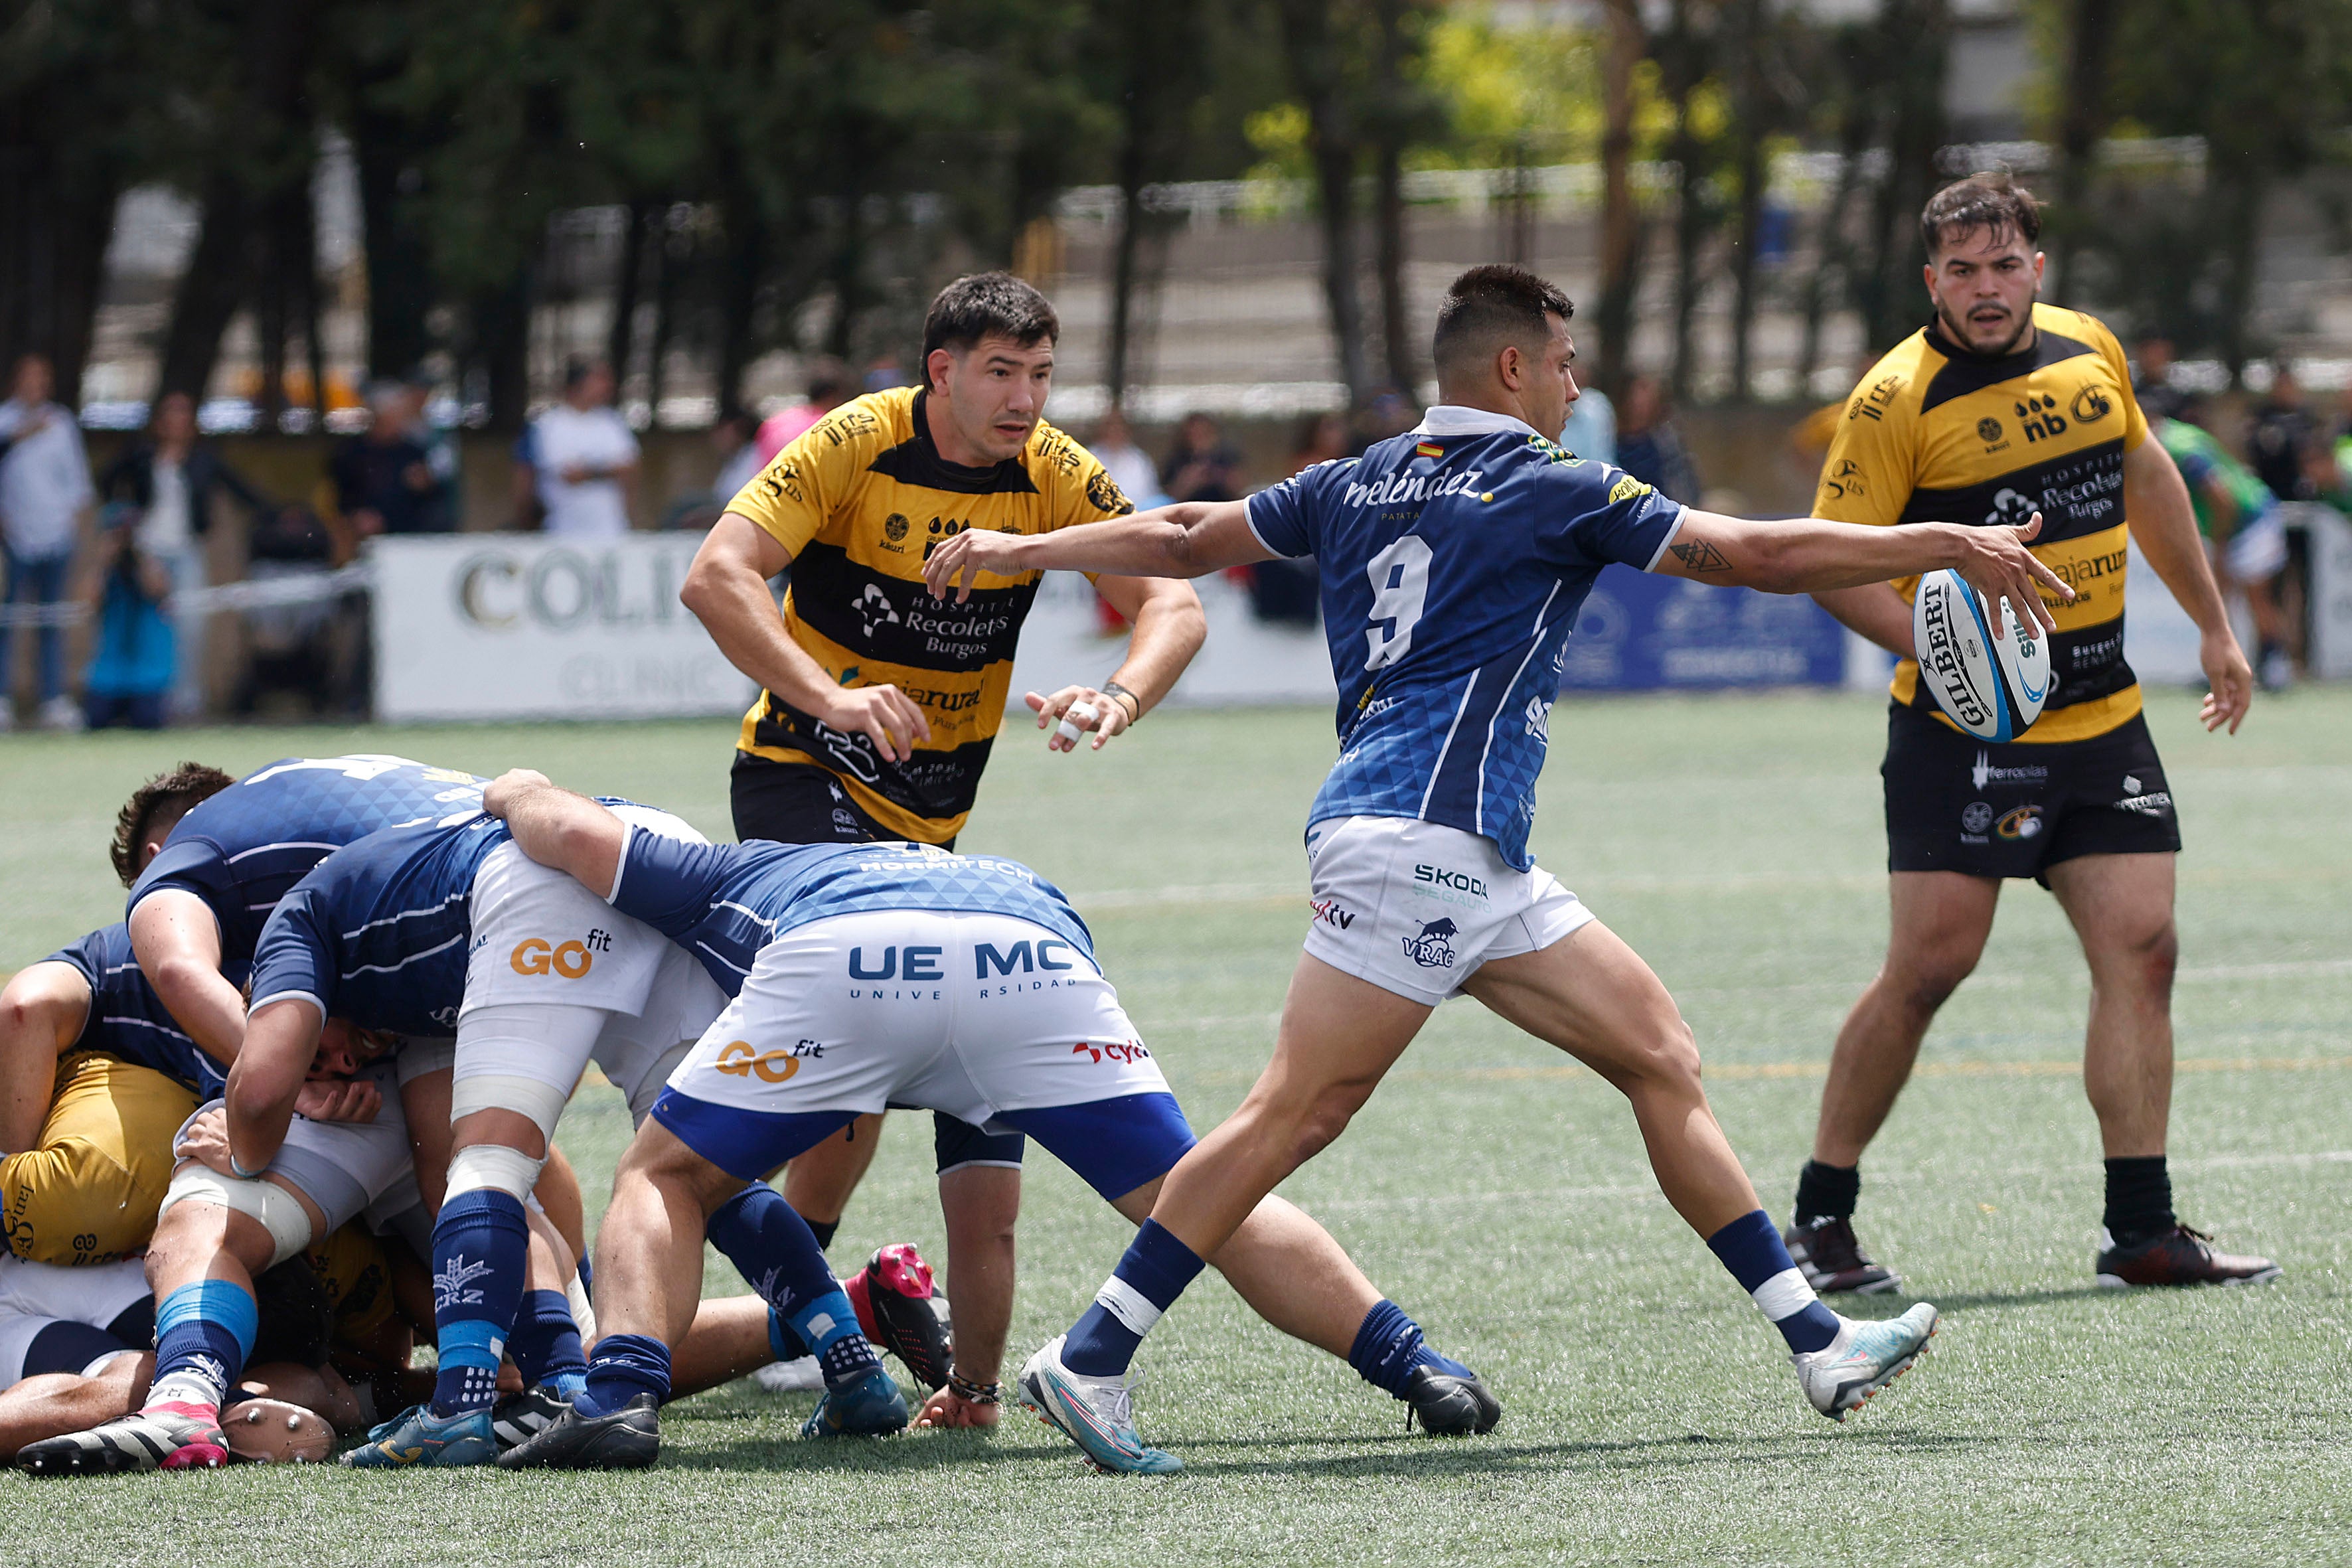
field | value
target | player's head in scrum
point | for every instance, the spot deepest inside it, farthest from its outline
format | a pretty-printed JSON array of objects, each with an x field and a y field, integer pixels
[
  {"x": 1984, "y": 270},
  {"x": 1501, "y": 330},
  {"x": 155, "y": 808},
  {"x": 988, "y": 363}
]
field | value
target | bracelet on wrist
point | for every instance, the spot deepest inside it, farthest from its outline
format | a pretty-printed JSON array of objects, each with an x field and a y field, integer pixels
[
  {"x": 236, "y": 1168},
  {"x": 1134, "y": 704},
  {"x": 973, "y": 1393}
]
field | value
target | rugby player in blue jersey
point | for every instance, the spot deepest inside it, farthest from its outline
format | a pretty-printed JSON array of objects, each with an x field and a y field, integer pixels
[
  {"x": 1454, "y": 559},
  {"x": 872, "y": 974}
]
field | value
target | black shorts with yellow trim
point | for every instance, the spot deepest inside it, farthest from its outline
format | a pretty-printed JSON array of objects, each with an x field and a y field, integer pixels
[
  {"x": 1985, "y": 809},
  {"x": 801, "y": 802}
]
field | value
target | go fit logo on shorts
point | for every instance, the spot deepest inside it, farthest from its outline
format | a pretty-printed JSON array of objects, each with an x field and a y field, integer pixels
[
  {"x": 741, "y": 1058},
  {"x": 536, "y": 955}
]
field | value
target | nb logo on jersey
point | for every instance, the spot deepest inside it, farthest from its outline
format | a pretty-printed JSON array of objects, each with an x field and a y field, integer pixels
[
  {"x": 2040, "y": 413},
  {"x": 535, "y": 955},
  {"x": 738, "y": 1058}
]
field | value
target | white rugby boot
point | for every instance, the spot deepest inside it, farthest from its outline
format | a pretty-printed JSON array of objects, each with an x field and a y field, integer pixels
[{"x": 1864, "y": 1358}]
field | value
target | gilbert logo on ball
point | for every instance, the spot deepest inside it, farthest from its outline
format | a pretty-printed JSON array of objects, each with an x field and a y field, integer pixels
[{"x": 1992, "y": 687}]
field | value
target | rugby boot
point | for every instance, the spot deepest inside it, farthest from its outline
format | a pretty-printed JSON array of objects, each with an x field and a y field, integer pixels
[
  {"x": 1097, "y": 1414},
  {"x": 1843, "y": 1374},
  {"x": 2178, "y": 1256},
  {"x": 628, "y": 1438},
  {"x": 167, "y": 1437},
  {"x": 272, "y": 1432},
  {"x": 417, "y": 1437},
  {"x": 899, "y": 1312},
  {"x": 868, "y": 1405},
  {"x": 1448, "y": 1405},
  {"x": 518, "y": 1417},
  {"x": 1834, "y": 1263}
]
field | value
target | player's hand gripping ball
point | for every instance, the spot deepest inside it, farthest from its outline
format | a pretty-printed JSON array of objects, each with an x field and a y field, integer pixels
[{"x": 1989, "y": 677}]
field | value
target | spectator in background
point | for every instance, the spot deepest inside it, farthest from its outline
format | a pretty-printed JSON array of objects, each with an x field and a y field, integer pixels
[
  {"x": 1389, "y": 414},
  {"x": 1591, "y": 429},
  {"x": 383, "y": 478},
  {"x": 1320, "y": 438},
  {"x": 1202, "y": 465},
  {"x": 2152, "y": 385},
  {"x": 1284, "y": 591},
  {"x": 735, "y": 438},
  {"x": 576, "y": 465},
  {"x": 884, "y": 374},
  {"x": 133, "y": 666},
  {"x": 2245, "y": 537},
  {"x": 2282, "y": 434},
  {"x": 44, "y": 493},
  {"x": 1649, "y": 444},
  {"x": 169, "y": 478},
  {"x": 1129, "y": 465},
  {"x": 828, "y": 389},
  {"x": 441, "y": 451}
]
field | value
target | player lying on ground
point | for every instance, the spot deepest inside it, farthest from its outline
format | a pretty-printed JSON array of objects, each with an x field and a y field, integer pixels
[
  {"x": 890, "y": 974},
  {"x": 74, "y": 1355},
  {"x": 219, "y": 1231},
  {"x": 1454, "y": 559}
]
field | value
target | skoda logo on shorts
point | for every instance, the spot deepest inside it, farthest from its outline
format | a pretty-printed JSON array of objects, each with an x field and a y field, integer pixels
[
  {"x": 736, "y": 1058},
  {"x": 535, "y": 955}
]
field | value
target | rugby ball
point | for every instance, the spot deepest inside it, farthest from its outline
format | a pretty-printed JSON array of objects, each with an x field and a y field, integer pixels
[{"x": 1991, "y": 686}]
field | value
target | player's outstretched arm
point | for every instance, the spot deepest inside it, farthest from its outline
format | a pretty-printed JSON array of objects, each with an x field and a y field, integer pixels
[
  {"x": 1190, "y": 538},
  {"x": 1811, "y": 554},
  {"x": 281, "y": 1040},
  {"x": 42, "y": 1011},
  {"x": 566, "y": 832}
]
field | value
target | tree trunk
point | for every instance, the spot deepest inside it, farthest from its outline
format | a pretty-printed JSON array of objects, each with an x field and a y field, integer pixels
[
  {"x": 1853, "y": 141},
  {"x": 1621, "y": 230},
  {"x": 501, "y": 324},
  {"x": 388, "y": 149},
  {"x": 1332, "y": 144},
  {"x": 743, "y": 263},
  {"x": 209, "y": 291},
  {"x": 1397, "y": 328},
  {"x": 2248, "y": 186},
  {"x": 1917, "y": 34},
  {"x": 1132, "y": 161},
  {"x": 1755, "y": 118},
  {"x": 621, "y": 342},
  {"x": 2090, "y": 32}
]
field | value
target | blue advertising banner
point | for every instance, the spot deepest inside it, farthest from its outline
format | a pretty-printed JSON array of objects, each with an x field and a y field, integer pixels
[{"x": 1638, "y": 632}]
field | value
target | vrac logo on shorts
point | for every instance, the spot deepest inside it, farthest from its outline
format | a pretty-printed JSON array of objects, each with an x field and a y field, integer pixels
[
  {"x": 739, "y": 1058},
  {"x": 1433, "y": 947},
  {"x": 535, "y": 955},
  {"x": 1112, "y": 1050}
]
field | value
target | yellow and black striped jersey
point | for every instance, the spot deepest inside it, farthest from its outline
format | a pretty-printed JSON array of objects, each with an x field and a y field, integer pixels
[
  {"x": 1936, "y": 434},
  {"x": 860, "y": 500}
]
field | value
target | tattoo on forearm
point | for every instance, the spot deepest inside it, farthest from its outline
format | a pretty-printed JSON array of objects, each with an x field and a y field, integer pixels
[{"x": 1700, "y": 556}]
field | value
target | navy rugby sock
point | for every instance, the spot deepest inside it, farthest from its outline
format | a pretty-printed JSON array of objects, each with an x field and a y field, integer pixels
[
  {"x": 545, "y": 1343},
  {"x": 1146, "y": 1283},
  {"x": 1751, "y": 1249},
  {"x": 479, "y": 1245},
  {"x": 1388, "y": 1347},
  {"x": 203, "y": 1332},
  {"x": 772, "y": 1246},
  {"x": 824, "y": 1230},
  {"x": 626, "y": 1366}
]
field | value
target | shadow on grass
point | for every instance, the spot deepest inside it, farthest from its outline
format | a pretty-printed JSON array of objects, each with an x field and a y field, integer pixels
[
  {"x": 1394, "y": 1453},
  {"x": 1995, "y": 1299}
]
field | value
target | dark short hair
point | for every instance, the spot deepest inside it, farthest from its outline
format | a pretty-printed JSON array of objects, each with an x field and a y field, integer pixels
[
  {"x": 178, "y": 790},
  {"x": 1992, "y": 200},
  {"x": 988, "y": 305},
  {"x": 1490, "y": 306},
  {"x": 577, "y": 369}
]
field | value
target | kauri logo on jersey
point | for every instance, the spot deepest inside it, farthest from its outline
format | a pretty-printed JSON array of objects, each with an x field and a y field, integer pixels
[{"x": 536, "y": 955}]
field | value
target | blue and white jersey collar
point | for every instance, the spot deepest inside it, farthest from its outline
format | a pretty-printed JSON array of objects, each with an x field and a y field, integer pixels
[{"x": 1453, "y": 420}]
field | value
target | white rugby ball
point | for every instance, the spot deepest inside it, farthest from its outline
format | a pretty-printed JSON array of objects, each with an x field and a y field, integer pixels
[{"x": 1991, "y": 686}]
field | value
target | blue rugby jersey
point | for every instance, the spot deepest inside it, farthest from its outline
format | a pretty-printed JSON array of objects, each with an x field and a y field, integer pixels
[
  {"x": 724, "y": 902},
  {"x": 127, "y": 1020},
  {"x": 1453, "y": 560},
  {"x": 240, "y": 850},
  {"x": 378, "y": 931}
]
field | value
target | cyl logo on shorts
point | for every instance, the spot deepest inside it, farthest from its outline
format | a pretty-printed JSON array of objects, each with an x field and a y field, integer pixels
[{"x": 535, "y": 955}]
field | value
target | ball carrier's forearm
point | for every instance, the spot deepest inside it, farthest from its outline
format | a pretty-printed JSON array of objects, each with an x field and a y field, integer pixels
[{"x": 1813, "y": 555}]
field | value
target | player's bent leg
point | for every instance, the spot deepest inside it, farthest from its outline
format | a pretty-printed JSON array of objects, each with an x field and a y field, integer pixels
[
  {"x": 52, "y": 1405},
  {"x": 1938, "y": 921},
  {"x": 819, "y": 1184},
  {"x": 1592, "y": 996},
  {"x": 2121, "y": 907}
]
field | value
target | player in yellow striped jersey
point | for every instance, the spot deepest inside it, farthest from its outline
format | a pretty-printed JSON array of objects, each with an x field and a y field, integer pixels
[
  {"x": 880, "y": 703},
  {"x": 1999, "y": 408}
]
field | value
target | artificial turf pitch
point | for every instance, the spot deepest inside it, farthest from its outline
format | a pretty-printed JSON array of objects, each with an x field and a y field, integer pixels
[{"x": 1498, "y": 1192}]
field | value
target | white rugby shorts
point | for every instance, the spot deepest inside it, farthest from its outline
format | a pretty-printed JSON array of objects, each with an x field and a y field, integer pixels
[
  {"x": 343, "y": 1167},
  {"x": 2257, "y": 553},
  {"x": 969, "y": 1014},
  {"x": 1415, "y": 908},
  {"x": 34, "y": 1295}
]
